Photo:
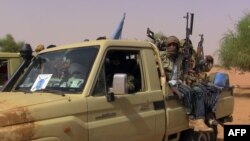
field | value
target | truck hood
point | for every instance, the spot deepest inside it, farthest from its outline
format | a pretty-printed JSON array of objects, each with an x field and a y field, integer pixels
[{"x": 15, "y": 107}]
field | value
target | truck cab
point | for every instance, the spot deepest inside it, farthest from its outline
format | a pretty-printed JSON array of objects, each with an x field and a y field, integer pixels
[
  {"x": 9, "y": 62},
  {"x": 66, "y": 94}
]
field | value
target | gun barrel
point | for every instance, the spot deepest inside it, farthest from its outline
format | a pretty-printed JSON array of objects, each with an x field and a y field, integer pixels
[
  {"x": 191, "y": 23},
  {"x": 187, "y": 30}
]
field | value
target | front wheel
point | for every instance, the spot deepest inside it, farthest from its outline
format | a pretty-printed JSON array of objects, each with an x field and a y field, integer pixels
[
  {"x": 190, "y": 135},
  {"x": 201, "y": 136}
]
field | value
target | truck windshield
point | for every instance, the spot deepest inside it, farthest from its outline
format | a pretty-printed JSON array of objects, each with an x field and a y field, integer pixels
[{"x": 65, "y": 70}]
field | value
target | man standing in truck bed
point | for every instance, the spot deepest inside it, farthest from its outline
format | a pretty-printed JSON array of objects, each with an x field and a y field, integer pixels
[{"x": 172, "y": 62}]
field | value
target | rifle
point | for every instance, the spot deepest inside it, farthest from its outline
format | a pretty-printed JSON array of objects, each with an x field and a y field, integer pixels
[
  {"x": 200, "y": 52},
  {"x": 200, "y": 60},
  {"x": 203, "y": 63},
  {"x": 187, "y": 44},
  {"x": 157, "y": 42}
]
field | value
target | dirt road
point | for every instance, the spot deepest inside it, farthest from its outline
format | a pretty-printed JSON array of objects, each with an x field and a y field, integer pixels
[
  {"x": 241, "y": 113},
  {"x": 241, "y": 80}
]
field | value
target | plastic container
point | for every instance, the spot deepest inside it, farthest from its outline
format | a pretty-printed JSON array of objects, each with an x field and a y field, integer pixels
[{"x": 221, "y": 79}]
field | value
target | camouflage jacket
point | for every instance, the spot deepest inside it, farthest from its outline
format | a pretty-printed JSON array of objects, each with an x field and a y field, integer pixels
[{"x": 168, "y": 65}]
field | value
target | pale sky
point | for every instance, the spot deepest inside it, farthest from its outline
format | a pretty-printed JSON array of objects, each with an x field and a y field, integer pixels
[{"x": 67, "y": 21}]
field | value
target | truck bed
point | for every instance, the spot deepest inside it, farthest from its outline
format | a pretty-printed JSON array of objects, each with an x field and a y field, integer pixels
[
  {"x": 225, "y": 105},
  {"x": 176, "y": 114}
]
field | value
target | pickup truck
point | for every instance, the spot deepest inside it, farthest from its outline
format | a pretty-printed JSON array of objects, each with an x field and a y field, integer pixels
[
  {"x": 9, "y": 62},
  {"x": 45, "y": 102}
]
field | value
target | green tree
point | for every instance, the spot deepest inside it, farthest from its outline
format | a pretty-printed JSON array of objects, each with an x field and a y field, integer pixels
[
  {"x": 235, "y": 46},
  {"x": 8, "y": 44}
]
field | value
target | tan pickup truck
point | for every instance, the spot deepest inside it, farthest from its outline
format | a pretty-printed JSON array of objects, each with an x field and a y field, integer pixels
[
  {"x": 9, "y": 62},
  {"x": 64, "y": 95}
]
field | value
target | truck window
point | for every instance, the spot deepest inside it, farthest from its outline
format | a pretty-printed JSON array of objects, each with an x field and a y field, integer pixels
[
  {"x": 120, "y": 61},
  {"x": 3, "y": 71},
  {"x": 65, "y": 70}
]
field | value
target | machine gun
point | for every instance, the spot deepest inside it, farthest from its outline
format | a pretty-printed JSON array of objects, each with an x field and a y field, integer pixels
[
  {"x": 158, "y": 42},
  {"x": 188, "y": 44}
]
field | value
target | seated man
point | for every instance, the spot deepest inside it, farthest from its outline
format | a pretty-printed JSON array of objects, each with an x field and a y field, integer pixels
[
  {"x": 76, "y": 75},
  {"x": 72, "y": 72},
  {"x": 172, "y": 63}
]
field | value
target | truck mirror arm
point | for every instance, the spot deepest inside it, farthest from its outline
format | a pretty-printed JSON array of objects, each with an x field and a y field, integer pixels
[{"x": 110, "y": 97}]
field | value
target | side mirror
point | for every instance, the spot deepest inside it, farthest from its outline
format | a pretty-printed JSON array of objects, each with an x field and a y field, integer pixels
[{"x": 120, "y": 85}]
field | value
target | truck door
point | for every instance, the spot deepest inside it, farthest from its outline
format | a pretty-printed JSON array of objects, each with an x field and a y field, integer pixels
[
  {"x": 3, "y": 71},
  {"x": 8, "y": 65},
  {"x": 130, "y": 116}
]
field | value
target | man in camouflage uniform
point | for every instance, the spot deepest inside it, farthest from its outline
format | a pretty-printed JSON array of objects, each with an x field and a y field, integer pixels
[
  {"x": 212, "y": 92},
  {"x": 204, "y": 91},
  {"x": 172, "y": 63}
]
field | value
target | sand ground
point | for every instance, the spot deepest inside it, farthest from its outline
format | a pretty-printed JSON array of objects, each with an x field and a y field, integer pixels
[{"x": 241, "y": 81}]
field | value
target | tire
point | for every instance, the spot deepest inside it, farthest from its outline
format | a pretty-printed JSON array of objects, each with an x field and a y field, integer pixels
[
  {"x": 201, "y": 136},
  {"x": 186, "y": 135},
  {"x": 190, "y": 135}
]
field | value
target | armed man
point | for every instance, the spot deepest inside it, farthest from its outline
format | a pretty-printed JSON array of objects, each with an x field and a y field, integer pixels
[
  {"x": 203, "y": 65},
  {"x": 173, "y": 63},
  {"x": 197, "y": 79}
]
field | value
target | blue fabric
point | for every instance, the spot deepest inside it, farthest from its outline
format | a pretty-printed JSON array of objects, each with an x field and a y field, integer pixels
[{"x": 118, "y": 32}]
